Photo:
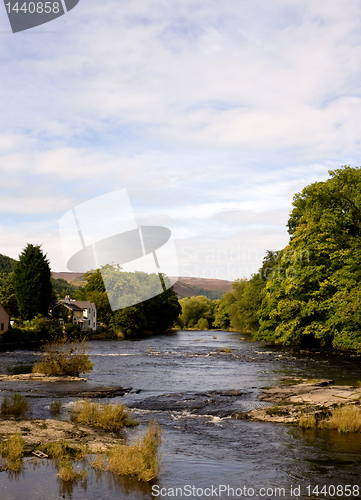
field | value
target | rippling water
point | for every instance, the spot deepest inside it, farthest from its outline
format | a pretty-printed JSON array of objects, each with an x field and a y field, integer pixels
[{"x": 202, "y": 446}]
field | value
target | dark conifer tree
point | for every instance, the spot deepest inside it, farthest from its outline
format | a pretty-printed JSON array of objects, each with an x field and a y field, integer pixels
[{"x": 32, "y": 282}]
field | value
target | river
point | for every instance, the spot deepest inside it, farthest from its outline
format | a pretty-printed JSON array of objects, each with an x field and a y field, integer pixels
[{"x": 191, "y": 388}]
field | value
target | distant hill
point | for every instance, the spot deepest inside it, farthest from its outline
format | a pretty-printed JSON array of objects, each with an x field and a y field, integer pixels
[
  {"x": 69, "y": 277},
  {"x": 6, "y": 264},
  {"x": 184, "y": 287},
  {"x": 211, "y": 288}
]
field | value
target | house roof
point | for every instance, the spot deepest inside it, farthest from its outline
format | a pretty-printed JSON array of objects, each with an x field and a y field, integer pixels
[
  {"x": 84, "y": 304},
  {"x": 69, "y": 305},
  {"x": 1, "y": 308}
]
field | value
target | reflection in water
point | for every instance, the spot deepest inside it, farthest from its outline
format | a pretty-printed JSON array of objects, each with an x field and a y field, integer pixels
[{"x": 106, "y": 481}]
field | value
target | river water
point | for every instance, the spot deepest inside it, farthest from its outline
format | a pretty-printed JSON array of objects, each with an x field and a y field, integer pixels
[{"x": 184, "y": 382}]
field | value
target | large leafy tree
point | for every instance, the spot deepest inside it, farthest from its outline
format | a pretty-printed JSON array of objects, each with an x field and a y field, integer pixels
[
  {"x": 194, "y": 309},
  {"x": 316, "y": 292},
  {"x": 8, "y": 297},
  {"x": 154, "y": 315},
  {"x": 32, "y": 282}
]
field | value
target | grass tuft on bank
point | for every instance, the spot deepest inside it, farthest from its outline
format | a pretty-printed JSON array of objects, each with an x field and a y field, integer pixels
[
  {"x": 344, "y": 419},
  {"x": 110, "y": 417},
  {"x": 14, "y": 406},
  {"x": 307, "y": 421},
  {"x": 12, "y": 450},
  {"x": 139, "y": 460}
]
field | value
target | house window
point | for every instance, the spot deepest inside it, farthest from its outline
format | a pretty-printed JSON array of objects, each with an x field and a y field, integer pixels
[{"x": 2, "y": 326}]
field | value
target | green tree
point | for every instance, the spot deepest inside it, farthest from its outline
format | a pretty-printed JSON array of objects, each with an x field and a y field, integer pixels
[
  {"x": 195, "y": 308},
  {"x": 32, "y": 285},
  {"x": 153, "y": 315},
  {"x": 8, "y": 297},
  {"x": 315, "y": 295}
]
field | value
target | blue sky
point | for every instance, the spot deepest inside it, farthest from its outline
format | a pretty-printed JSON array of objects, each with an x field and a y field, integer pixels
[{"x": 212, "y": 115}]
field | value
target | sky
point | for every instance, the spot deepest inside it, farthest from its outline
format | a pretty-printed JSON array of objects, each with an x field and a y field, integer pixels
[{"x": 211, "y": 114}]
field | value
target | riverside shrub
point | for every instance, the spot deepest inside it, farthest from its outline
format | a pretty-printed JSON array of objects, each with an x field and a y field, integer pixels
[{"x": 64, "y": 358}]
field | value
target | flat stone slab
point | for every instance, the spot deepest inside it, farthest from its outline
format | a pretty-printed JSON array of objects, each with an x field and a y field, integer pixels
[
  {"x": 315, "y": 394},
  {"x": 292, "y": 401},
  {"x": 36, "y": 431},
  {"x": 40, "y": 377}
]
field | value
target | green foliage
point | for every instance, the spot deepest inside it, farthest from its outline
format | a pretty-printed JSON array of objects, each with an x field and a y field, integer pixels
[
  {"x": 7, "y": 264},
  {"x": 210, "y": 294},
  {"x": 8, "y": 297},
  {"x": 202, "y": 324},
  {"x": 194, "y": 309},
  {"x": 222, "y": 319},
  {"x": 315, "y": 292},
  {"x": 36, "y": 330},
  {"x": 32, "y": 285},
  {"x": 153, "y": 315},
  {"x": 62, "y": 288},
  {"x": 63, "y": 358},
  {"x": 129, "y": 321},
  {"x": 239, "y": 308}
]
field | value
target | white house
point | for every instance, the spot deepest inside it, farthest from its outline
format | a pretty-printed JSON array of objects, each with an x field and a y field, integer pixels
[{"x": 84, "y": 312}]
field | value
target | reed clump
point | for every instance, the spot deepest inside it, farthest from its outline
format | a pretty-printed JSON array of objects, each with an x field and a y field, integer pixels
[
  {"x": 12, "y": 451},
  {"x": 64, "y": 358},
  {"x": 64, "y": 454},
  {"x": 139, "y": 460},
  {"x": 344, "y": 419},
  {"x": 110, "y": 417},
  {"x": 15, "y": 406},
  {"x": 66, "y": 470},
  {"x": 63, "y": 449},
  {"x": 224, "y": 349},
  {"x": 55, "y": 407},
  {"x": 307, "y": 421}
]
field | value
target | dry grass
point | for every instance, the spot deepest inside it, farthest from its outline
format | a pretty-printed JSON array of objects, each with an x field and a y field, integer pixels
[
  {"x": 55, "y": 407},
  {"x": 13, "y": 451},
  {"x": 224, "y": 349},
  {"x": 15, "y": 406},
  {"x": 64, "y": 358},
  {"x": 312, "y": 380},
  {"x": 307, "y": 421},
  {"x": 110, "y": 417},
  {"x": 66, "y": 470},
  {"x": 63, "y": 449},
  {"x": 139, "y": 460},
  {"x": 344, "y": 419},
  {"x": 64, "y": 454}
]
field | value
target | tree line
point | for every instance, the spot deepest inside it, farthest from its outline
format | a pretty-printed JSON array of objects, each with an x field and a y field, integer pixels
[
  {"x": 28, "y": 293},
  {"x": 310, "y": 291}
]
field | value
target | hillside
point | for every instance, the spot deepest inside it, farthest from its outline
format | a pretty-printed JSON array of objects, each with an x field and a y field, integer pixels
[
  {"x": 184, "y": 287},
  {"x": 6, "y": 264}
]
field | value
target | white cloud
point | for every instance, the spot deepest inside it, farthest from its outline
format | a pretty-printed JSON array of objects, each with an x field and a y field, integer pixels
[{"x": 212, "y": 114}]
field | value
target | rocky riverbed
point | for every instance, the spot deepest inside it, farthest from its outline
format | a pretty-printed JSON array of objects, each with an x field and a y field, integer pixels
[
  {"x": 36, "y": 432},
  {"x": 292, "y": 401}
]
